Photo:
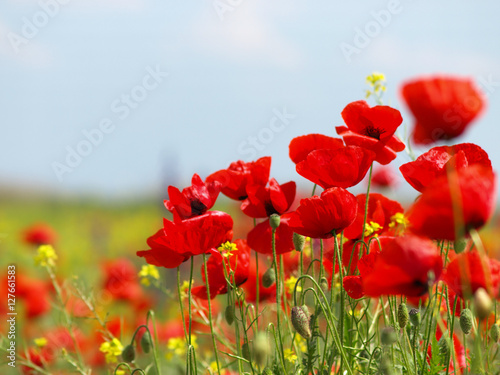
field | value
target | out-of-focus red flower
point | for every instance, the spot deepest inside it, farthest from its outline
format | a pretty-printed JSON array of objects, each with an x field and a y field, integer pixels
[
  {"x": 239, "y": 175},
  {"x": 439, "y": 161},
  {"x": 264, "y": 201},
  {"x": 194, "y": 200},
  {"x": 443, "y": 107},
  {"x": 318, "y": 217},
  {"x": 35, "y": 295},
  {"x": 384, "y": 177},
  {"x": 342, "y": 167},
  {"x": 350, "y": 256},
  {"x": 470, "y": 271},
  {"x": 121, "y": 280},
  {"x": 468, "y": 194},
  {"x": 373, "y": 129},
  {"x": 301, "y": 146},
  {"x": 250, "y": 287},
  {"x": 39, "y": 234},
  {"x": 403, "y": 267},
  {"x": 381, "y": 211},
  {"x": 186, "y": 238},
  {"x": 259, "y": 238},
  {"x": 237, "y": 261}
]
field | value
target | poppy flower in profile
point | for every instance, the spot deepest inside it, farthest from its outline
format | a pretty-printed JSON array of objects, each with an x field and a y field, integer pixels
[
  {"x": 372, "y": 128},
  {"x": 381, "y": 213},
  {"x": 264, "y": 201},
  {"x": 470, "y": 271},
  {"x": 194, "y": 200},
  {"x": 342, "y": 167},
  {"x": 404, "y": 267},
  {"x": 39, "y": 234},
  {"x": 439, "y": 161},
  {"x": 178, "y": 241},
  {"x": 454, "y": 204},
  {"x": 260, "y": 237},
  {"x": 301, "y": 146},
  {"x": 233, "y": 257},
  {"x": 239, "y": 175},
  {"x": 443, "y": 107},
  {"x": 318, "y": 217},
  {"x": 384, "y": 177}
]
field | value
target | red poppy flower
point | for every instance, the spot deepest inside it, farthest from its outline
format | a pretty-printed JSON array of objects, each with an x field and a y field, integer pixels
[
  {"x": 439, "y": 161},
  {"x": 372, "y": 128},
  {"x": 403, "y": 267},
  {"x": 194, "y": 200},
  {"x": 342, "y": 167},
  {"x": 470, "y": 271},
  {"x": 301, "y": 146},
  {"x": 259, "y": 238},
  {"x": 186, "y": 238},
  {"x": 39, "y": 234},
  {"x": 121, "y": 281},
  {"x": 264, "y": 201},
  {"x": 472, "y": 189},
  {"x": 380, "y": 211},
  {"x": 350, "y": 256},
  {"x": 34, "y": 294},
  {"x": 384, "y": 177},
  {"x": 318, "y": 217},
  {"x": 443, "y": 107},
  {"x": 238, "y": 262},
  {"x": 239, "y": 175}
]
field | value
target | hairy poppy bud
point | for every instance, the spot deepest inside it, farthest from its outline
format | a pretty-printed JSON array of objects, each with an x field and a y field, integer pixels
[
  {"x": 444, "y": 348},
  {"x": 482, "y": 303},
  {"x": 323, "y": 283},
  {"x": 414, "y": 317},
  {"x": 403, "y": 315},
  {"x": 261, "y": 349},
  {"x": 460, "y": 245},
  {"x": 495, "y": 333},
  {"x": 274, "y": 221},
  {"x": 388, "y": 336},
  {"x": 301, "y": 321},
  {"x": 299, "y": 241},
  {"x": 128, "y": 353},
  {"x": 245, "y": 352},
  {"x": 466, "y": 321},
  {"x": 268, "y": 278},
  {"x": 146, "y": 342},
  {"x": 229, "y": 314}
]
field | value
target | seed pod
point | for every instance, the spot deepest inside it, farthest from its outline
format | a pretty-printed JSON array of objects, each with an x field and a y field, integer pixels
[
  {"x": 299, "y": 241},
  {"x": 128, "y": 353},
  {"x": 460, "y": 245},
  {"x": 403, "y": 315},
  {"x": 482, "y": 304},
  {"x": 146, "y": 342},
  {"x": 301, "y": 321},
  {"x": 466, "y": 321},
  {"x": 274, "y": 221},
  {"x": 414, "y": 317},
  {"x": 269, "y": 278},
  {"x": 388, "y": 336},
  {"x": 495, "y": 333},
  {"x": 229, "y": 314},
  {"x": 245, "y": 352}
]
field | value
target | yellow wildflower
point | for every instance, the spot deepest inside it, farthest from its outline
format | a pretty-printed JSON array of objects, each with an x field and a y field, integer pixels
[
  {"x": 40, "y": 342},
  {"x": 147, "y": 273},
  {"x": 290, "y": 284},
  {"x": 177, "y": 346},
  {"x": 46, "y": 256},
  {"x": 226, "y": 249},
  {"x": 112, "y": 349},
  {"x": 290, "y": 356}
]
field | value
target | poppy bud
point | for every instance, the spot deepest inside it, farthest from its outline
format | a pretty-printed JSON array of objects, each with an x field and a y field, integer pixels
[
  {"x": 466, "y": 321},
  {"x": 460, "y": 245},
  {"x": 128, "y": 353},
  {"x": 414, "y": 317},
  {"x": 229, "y": 314},
  {"x": 245, "y": 352},
  {"x": 495, "y": 333},
  {"x": 268, "y": 278},
  {"x": 267, "y": 371},
  {"x": 261, "y": 349},
  {"x": 386, "y": 367},
  {"x": 482, "y": 303},
  {"x": 323, "y": 283},
  {"x": 444, "y": 348},
  {"x": 274, "y": 221},
  {"x": 146, "y": 342},
  {"x": 301, "y": 321},
  {"x": 388, "y": 336},
  {"x": 299, "y": 241},
  {"x": 403, "y": 315}
]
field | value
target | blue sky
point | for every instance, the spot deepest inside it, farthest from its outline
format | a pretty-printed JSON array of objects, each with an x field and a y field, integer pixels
[{"x": 182, "y": 87}]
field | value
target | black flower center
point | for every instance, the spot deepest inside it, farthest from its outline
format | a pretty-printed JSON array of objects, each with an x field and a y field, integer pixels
[
  {"x": 197, "y": 207},
  {"x": 373, "y": 132}
]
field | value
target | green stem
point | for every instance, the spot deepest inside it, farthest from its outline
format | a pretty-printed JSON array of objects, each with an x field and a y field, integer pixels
[
  {"x": 366, "y": 203},
  {"x": 278, "y": 294},
  {"x": 210, "y": 313}
]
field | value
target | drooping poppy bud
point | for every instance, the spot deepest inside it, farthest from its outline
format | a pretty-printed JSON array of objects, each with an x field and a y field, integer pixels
[
  {"x": 459, "y": 245},
  {"x": 269, "y": 278},
  {"x": 146, "y": 342},
  {"x": 495, "y": 333},
  {"x": 128, "y": 353},
  {"x": 261, "y": 349},
  {"x": 414, "y": 315},
  {"x": 482, "y": 304},
  {"x": 301, "y": 321},
  {"x": 229, "y": 314},
  {"x": 245, "y": 352}
]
